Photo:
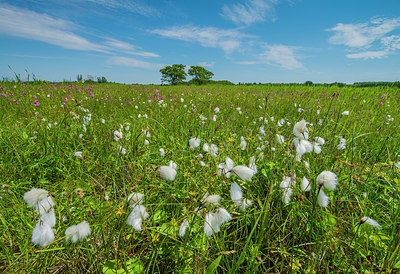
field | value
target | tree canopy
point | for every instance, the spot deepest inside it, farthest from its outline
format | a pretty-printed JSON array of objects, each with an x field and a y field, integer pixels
[
  {"x": 200, "y": 75},
  {"x": 174, "y": 74}
]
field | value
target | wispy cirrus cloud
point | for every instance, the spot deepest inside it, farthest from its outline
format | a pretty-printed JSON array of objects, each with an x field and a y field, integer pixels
[
  {"x": 133, "y": 62},
  {"x": 368, "y": 54},
  {"x": 27, "y": 24},
  {"x": 127, "y": 48},
  {"x": 371, "y": 35},
  {"x": 227, "y": 39},
  {"x": 132, "y": 6},
  {"x": 250, "y": 11},
  {"x": 205, "y": 64}
]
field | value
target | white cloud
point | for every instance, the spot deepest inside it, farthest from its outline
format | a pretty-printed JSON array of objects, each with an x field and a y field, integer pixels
[
  {"x": 248, "y": 62},
  {"x": 368, "y": 55},
  {"x": 371, "y": 35},
  {"x": 31, "y": 25},
  {"x": 132, "y": 6},
  {"x": 205, "y": 64},
  {"x": 132, "y": 62},
  {"x": 118, "y": 45},
  {"x": 227, "y": 40},
  {"x": 282, "y": 56},
  {"x": 41, "y": 27},
  {"x": 252, "y": 11},
  {"x": 391, "y": 42}
]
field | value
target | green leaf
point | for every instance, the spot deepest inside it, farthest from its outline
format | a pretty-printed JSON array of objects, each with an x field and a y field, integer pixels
[{"x": 214, "y": 265}]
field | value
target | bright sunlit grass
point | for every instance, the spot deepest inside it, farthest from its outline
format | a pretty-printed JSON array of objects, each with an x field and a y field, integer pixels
[{"x": 199, "y": 179}]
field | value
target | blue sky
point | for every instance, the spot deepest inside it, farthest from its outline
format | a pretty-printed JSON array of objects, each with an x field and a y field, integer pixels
[{"x": 239, "y": 40}]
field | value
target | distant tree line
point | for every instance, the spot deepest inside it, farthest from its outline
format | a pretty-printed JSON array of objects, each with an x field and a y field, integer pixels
[
  {"x": 176, "y": 74},
  {"x": 90, "y": 79},
  {"x": 338, "y": 84}
]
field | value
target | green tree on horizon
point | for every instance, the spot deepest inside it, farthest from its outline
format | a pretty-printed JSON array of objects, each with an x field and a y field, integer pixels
[
  {"x": 200, "y": 75},
  {"x": 174, "y": 74}
]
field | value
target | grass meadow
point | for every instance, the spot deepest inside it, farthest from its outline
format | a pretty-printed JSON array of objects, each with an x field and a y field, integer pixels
[{"x": 91, "y": 146}]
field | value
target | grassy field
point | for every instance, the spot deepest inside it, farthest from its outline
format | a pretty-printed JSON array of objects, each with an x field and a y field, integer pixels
[{"x": 91, "y": 146}]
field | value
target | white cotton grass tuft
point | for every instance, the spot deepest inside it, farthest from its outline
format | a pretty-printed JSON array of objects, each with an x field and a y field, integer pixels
[
  {"x": 300, "y": 130},
  {"x": 243, "y": 143},
  {"x": 77, "y": 233},
  {"x": 213, "y": 149},
  {"x": 252, "y": 164},
  {"x": 48, "y": 217},
  {"x": 184, "y": 226},
  {"x": 168, "y": 172},
  {"x": 137, "y": 216},
  {"x": 305, "y": 184},
  {"x": 237, "y": 197},
  {"x": 323, "y": 199},
  {"x": 214, "y": 220},
  {"x": 32, "y": 196},
  {"x": 342, "y": 144},
  {"x": 320, "y": 141},
  {"x": 42, "y": 234},
  {"x": 345, "y": 113},
  {"x": 317, "y": 148},
  {"x": 43, "y": 204},
  {"x": 117, "y": 135},
  {"x": 371, "y": 222},
  {"x": 210, "y": 199},
  {"x": 225, "y": 168},
  {"x": 162, "y": 152},
  {"x": 135, "y": 198},
  {"x": 173, "y": 165},
  {"x": 327, "y": 179},
  {"x": 286, "y": 188},
  {"x": 194, "y": 142},
  {"x": 243, "y": 172},
  {"x": 279, "y": 139}
]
